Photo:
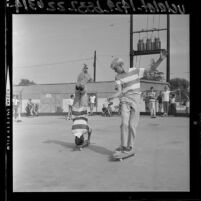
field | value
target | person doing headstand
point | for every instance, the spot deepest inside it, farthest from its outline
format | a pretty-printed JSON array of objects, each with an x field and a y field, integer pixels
[{"x": 80, "y": 126}]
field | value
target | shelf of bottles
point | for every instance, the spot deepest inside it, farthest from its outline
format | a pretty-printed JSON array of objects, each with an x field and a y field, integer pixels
[
  {"x": 148, "y": 47},
  {"x": 146, "y": 52}
]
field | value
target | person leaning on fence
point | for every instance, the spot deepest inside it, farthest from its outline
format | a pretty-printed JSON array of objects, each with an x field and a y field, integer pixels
[{"x": 128, "y": 84}]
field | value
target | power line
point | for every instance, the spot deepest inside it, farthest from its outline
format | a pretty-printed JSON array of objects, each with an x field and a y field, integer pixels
[
  {"x": 112, "y": 55},
  {"x": 51, "y": 64}
]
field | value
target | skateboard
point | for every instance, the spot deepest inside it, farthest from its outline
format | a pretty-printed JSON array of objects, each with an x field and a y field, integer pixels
[
  {"x": 120, "y": 156},
  {"x": 80, "y": 147}
]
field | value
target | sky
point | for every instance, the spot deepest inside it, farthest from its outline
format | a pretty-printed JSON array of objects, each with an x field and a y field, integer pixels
[{"x": 51, "y": 49}]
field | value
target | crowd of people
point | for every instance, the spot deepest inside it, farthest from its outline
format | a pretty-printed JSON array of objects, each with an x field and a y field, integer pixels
[
  {"x": 32, "y": 109},
  {"x": 163, "y": 102}
]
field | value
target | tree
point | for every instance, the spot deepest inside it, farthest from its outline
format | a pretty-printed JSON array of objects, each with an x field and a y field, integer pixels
[
  {"x": 183, "y": 85},
  {"x": 26, "y": 82}
]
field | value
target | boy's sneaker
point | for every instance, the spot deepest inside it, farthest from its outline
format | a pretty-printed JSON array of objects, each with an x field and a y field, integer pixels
[
  {"x": 126, "y": 150},
  {"x": 120, "y": 148}
]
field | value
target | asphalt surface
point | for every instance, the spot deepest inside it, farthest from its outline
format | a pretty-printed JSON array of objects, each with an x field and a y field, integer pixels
[{"x": 44, "y": 160}]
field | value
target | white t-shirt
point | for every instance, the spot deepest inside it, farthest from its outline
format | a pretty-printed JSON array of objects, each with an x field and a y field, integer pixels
[
  {"x": 70, "y": 102},
  {"x": 92, "y": 99},
  {"x": 172, "y": 100},
  {"x": 166, "y": 96},
  {"x": 15, "y": 102}
]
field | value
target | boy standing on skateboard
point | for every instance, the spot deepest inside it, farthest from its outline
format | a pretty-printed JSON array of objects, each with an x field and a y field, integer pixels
[
  {"x": 128, "y": 91},
  {"x": 80, "y": 125}
]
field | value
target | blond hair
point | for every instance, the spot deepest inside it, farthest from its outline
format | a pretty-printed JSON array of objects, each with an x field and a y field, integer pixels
[{"x": 116, "y": 62}]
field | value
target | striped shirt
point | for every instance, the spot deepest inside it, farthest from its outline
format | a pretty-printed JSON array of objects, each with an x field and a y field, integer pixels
[
  {"x": 130, "y": 84},
  {"x": 80, "y": 121},
  {"x": 130, "y": 81},
  {"x": 152, "y": 96}
]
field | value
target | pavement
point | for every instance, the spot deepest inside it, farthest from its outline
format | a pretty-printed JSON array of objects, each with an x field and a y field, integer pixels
[{"x": 44, "y": 160}]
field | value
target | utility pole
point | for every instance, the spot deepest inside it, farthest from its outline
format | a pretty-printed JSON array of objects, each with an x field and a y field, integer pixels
[
  {"x": 168, "y": 49},
  {"x": 94, "y": 66},
  {"x": 131, "y": 41}
]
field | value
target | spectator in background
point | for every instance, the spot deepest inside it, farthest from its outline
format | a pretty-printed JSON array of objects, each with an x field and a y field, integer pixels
[
  {"x": 173, "y": 109},
  {"x": 187, "y": 105},
  {"x": 107, "y": 111},
  {"x": 16, "y": 108},
  {"x": 92, "y": 103},
  {"x": 146, "y": 101},
  {"x": 104, "y": 110},
  {"x": 29, "y": 108},
  {"x": 36, "y": 107},
  {"x": 152, "y": 102},
  {"x": 70, "y": 105},
  {"x": 110, "y": 108},
  {"x": 160, "y": 103},
  {"x": 166, "y": 99}
]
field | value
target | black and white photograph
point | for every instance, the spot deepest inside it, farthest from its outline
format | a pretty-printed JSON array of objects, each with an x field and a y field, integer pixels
[
  {"x": 99, "y": 103},
  {"x": 58, "y": 60}
]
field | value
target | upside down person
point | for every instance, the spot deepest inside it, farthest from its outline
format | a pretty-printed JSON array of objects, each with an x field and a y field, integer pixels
[{"x": 80, "y": 126}]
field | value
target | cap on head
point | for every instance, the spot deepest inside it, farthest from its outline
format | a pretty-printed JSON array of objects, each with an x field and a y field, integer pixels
[{"x": 116, "y": 62}]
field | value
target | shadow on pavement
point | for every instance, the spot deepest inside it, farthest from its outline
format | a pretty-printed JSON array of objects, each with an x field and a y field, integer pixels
[
  {"x": 100, "y": 150},
  {"x": 92, "y": 147},
  {"x": 64, "y": 144}
]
